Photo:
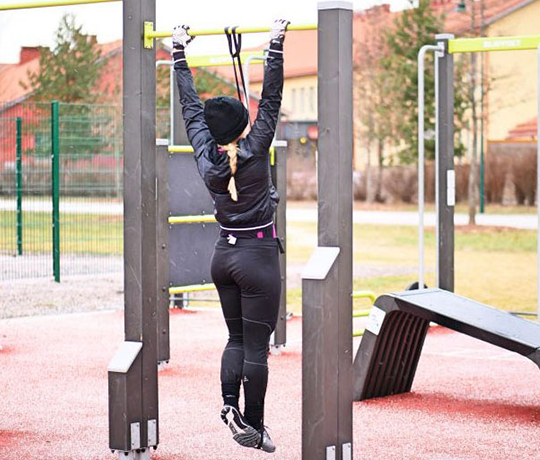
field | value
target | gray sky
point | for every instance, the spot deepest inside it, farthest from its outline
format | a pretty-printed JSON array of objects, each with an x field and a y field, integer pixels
[{"x": 36, "y": 26}]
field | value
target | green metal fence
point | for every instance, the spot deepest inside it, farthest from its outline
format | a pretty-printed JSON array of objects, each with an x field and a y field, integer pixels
[
  {"x": 89, "y": 182},
  {"x": 61, "y": 189},
  {"x": 25, "y": 189}
]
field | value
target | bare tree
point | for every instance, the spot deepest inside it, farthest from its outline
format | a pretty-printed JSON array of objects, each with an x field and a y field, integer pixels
[{"x": 373, "y": 116}]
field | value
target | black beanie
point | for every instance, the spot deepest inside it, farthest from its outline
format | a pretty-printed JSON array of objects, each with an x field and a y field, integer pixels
[{"x": 226, "y": 118}]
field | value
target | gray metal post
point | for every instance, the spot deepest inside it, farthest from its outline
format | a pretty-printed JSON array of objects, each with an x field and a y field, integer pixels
[
  {"x": 179, "y": 138},
  {"x": 279, "y": 179},
  {"x": 421, "y": 158},
  {"x": 327, "y": 280},
  {"x": 133, "y": 381},
  {"x": 162, "y": 248},
  {"x": 446, "y": 182}
]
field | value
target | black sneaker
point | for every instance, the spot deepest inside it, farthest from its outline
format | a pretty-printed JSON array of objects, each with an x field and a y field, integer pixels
[
  {"x": 265, "y": 443},
  {"x": 243, "y": 433}
]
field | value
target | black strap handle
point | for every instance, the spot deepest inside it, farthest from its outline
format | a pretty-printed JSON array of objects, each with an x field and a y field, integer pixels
[{"x": 235, "y": 47}]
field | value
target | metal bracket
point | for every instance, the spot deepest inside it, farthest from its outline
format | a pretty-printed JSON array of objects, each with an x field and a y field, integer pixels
[
  {"x": 135, "y": 435},
  {"x": 139, "y": 454},
  {"x": 331, "y": 453},
  {"x": 346, "y": 451},
  {"x": 152, "y": 433},
  {"x": 450, "y": 188},
  {"x": 275, "y": 350},
  {"x": 148, "y": 42}
]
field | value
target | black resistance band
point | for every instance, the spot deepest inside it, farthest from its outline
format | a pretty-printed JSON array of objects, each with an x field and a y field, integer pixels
[{"x": 235, "y": 47}]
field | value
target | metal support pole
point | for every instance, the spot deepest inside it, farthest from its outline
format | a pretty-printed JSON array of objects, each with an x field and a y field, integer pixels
[
  {"x": 327, "y": 280},
  {"x": 279, "y": 179},
  {"x": 446, "y": 184},
  {"x": 177, "y": 136},
  {"x": 172, "y": 84},
  {"x": 133, "y": 376},
  {"x": 162, "y": 248},
  {"x": 55, "y": 159},
  {"x": 482, "y": 151},
  {"x": 482, "y": 170},
  {"x": 19, "y": 188},
  {"x": 421, "y": 158}
]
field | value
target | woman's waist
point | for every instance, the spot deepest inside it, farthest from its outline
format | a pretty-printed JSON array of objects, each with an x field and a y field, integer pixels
[{"x": 249, "y": 231}]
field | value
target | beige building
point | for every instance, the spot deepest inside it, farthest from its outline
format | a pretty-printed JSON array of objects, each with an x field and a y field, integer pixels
[
  {"x": 512, "y": 96},
  {"x": 510, "y": 103},
  {"x": 300, "y": 72}
]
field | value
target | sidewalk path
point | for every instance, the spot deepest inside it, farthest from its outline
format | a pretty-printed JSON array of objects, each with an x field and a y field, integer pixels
[{"x": 521, "y": 221}]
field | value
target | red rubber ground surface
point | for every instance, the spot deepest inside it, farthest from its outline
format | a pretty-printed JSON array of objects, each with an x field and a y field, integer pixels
[{"x": 470, "y": 400}]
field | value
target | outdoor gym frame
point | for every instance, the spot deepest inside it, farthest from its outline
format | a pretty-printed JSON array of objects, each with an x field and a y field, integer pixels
[
  {"x": 134, "y": 426},
  {"x": 446, "y": 46},
  {"x": 388, "y": 356},
  {"x": 327, "y": 358}
]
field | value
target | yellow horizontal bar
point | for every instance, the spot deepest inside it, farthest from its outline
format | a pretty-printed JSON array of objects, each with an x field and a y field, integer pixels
[
  {"x": 191, "y": 219},
  {"x": 221, "y": 59},
  {"x": 239, "y": 30},
  {"x": 358, "y": 334},
  {"x": 192, "y": 288},
  {"x": 485, "y": 44},
  {"x": 46, "y": 4},
  {"x": 180, "y": 149},
  {"x": 364, "y": 295},
  {"x": 361, "y": 313}
]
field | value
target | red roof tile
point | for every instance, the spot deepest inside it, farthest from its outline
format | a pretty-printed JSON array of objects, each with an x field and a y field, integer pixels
[
  {"x": 459, "y": 23},
  {"x": 300, "y": 47},
  {"x": 12, "y": 74},
  {"x": 527, "y": 130},
  {"x": 300, "y": 56}
]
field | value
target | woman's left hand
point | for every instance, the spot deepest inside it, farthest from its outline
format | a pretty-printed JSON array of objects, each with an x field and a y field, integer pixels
[{"x": 181, "y": 37}]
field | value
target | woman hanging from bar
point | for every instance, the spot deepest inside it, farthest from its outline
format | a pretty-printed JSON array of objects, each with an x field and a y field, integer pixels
[{"x": 233, "y": 161}]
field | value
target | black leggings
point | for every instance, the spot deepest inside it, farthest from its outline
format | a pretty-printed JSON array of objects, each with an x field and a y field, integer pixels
[{"x": 248, "y": 280}]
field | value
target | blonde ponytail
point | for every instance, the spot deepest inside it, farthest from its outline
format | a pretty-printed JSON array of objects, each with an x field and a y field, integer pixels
[{"x": 232, "y": 151}]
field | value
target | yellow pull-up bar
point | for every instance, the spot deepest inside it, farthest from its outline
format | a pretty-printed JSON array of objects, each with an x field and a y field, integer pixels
[
  {"x": 150, "y": 33},
  {"x": 48, "y": 3},
  {"x": 485, "y": 44}
]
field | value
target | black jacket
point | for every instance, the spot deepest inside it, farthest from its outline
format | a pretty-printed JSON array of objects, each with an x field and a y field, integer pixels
[{"x": 257, "y": 197}]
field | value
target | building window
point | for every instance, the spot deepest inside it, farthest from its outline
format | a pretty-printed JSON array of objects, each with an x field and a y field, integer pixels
[
  {"x": 302, "y": 100},
  {"x": 312, "y": 99},
  {"x": 293, "y": 99}
]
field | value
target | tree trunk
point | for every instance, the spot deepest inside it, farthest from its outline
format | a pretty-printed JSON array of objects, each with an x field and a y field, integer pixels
[
  {"x": 370, "y": 196},
  {"x": 380, "y": 155},
  {"x": 472, "y": 172}
]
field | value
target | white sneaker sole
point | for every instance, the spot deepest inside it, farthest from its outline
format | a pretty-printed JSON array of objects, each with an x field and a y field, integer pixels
[{"x": 246, "y": 436}]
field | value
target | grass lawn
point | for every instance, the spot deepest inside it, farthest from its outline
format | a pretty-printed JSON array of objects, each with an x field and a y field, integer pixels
[
  {"x": 494, "y": 266},
  {"x": 79, "y": 233},
  {"x": 461, "y": 208}
]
